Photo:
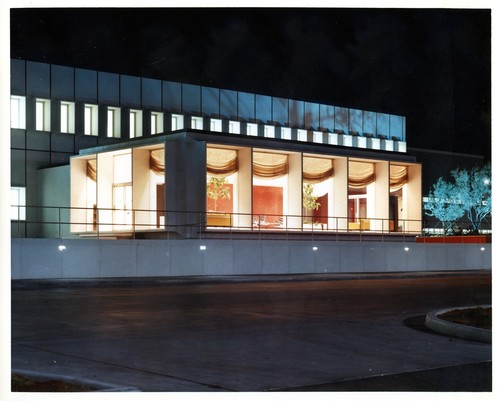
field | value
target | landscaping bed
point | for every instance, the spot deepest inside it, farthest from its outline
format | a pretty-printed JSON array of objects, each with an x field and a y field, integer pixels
[
  {"x": 26, "y": 384},
  {"x": 479, "y": 317}
]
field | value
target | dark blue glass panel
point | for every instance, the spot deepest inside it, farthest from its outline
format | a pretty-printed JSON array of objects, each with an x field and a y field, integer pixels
[
  {"x": 151, "y": 94},
  {"x": 38, "y": 79},
  {"x": 296, "y": 113},
  {"x": 130, "y": 91},
  {"x": 63, "y": 84},
  {"x": 18, "y": 77},
  {"x": 172, "y": 95},
  {"x": 311, "y": 116},
  {"x": 396, "y": 127},
  {"x": 246, "y": 106},
  {"x": 191, "y": 99},
  {"x": 229, "y": 104},
  {"x": 356, "y": 121},
  {"x": 263, "y": 108},
  {"x": 280, "y": 110},
  {"x": 341, "y": 120},
  {"x": 383, "y": 125},
  {"x": 85, "y": 86},
  {"x": 327, "y": 117},
  {"x": 369, "y": 122},
  {"x": 210, "y": 102},
  {"x": 108, "y": 91}
]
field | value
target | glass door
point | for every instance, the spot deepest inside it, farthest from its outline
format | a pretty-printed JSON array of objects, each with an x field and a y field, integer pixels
[{"x": 122, "y": 207}]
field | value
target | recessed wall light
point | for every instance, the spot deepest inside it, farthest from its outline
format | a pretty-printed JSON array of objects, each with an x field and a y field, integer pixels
[
  {"x": 406, "y": 249},
  {"x": 482, "y": 248},
  {"x": 315, "y": 248},
  {"x": 62, "y": 247},
  {"x": 203, "y": 247}
]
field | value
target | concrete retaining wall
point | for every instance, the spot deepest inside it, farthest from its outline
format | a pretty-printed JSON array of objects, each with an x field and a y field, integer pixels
[{"x": 41, "y": 258}]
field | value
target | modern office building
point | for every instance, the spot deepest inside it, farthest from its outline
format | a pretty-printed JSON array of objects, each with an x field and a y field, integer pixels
[{"x": 95, "y": 153}]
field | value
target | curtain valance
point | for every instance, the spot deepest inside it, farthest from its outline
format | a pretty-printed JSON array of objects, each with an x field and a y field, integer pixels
[
  {"x": 157, "y": 161},
  {"x": 270, "y": 165},
  {"x": 222, "y": 162},
  {"x": 398, "y": 177},
  {"x": 316, "y": 170},
  {"x": 361, "y": 174},
  {"x": 92, "y": 169}
]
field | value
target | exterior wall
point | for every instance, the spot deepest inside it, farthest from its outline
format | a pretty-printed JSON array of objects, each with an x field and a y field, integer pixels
[{"x": 41, "y": 258}]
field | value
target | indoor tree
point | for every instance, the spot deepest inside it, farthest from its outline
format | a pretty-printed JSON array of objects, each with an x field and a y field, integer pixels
[{"x": 217, "y": 188}]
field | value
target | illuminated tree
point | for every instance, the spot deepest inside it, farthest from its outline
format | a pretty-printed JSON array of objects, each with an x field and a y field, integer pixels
[
  {"x": 469, "y": 194},
  {"x": 443, "y": 204},
  {"x": 474, "y": 193}
]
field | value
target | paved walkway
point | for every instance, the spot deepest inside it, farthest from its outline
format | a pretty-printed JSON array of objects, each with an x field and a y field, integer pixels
[{"x": 284, "y": 333}]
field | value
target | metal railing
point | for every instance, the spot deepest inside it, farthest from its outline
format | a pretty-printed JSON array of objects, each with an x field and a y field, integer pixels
[{"x": 73, "y": 222}]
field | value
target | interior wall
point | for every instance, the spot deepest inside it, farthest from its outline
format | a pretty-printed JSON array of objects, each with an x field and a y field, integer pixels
[
  {"x": 340, "y": 194},
  {"x": 381, "y": 198},
  {"x": 414, "y": 198},
  {"x": 244, "y": 216},
  {"x": 144, "y": 218},
  {"x": 294, "y": 198},
  {"x": 105, "y": 191}
]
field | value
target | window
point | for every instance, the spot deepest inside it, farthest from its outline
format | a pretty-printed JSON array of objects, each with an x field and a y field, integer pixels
[
  {"x": 135, "y": 123},
  {"x": 90, "y": 120},
  {"x": 197, "y": 122},
  {"x": 17, "y": 203},
  {"x": 234, "y": 127},
  {"x": 318, "y": 137},
  {"x": 269, "y": 131},
  {"x": 215, "y": 125},
  {"x": 286, "y": 133},
  {"x": 252, "y": 129},
  {"x": 302, "y": 135},
  {"x": 18, "y": 112},
  {"x": 177, "y": 122},
  {"x": 67, "y": 117},
  {"x": 156, "y": 123},
  {"x": 42, "y": 112},
  {"x": 113, "y": 123}
]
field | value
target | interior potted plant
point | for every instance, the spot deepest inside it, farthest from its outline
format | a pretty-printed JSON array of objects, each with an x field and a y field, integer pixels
[
  {"x": 309, "y": 202},
  {"x": 217, "y": 188}
]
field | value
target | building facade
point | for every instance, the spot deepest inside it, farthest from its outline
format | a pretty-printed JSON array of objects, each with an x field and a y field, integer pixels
[{"x": 95, "y": 153}]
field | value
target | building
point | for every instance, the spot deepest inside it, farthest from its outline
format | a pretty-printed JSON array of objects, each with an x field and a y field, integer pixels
[{"x": 96, "y": 153}]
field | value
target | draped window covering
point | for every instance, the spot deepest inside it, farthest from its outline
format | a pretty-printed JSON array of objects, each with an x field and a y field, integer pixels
[
  {"x": 270, "y": 165},
  {"x": 157, "y": 161},
  {"x": 222, "y": 162},
  {"x": 316, "y": 170},
  {"x": 361, "y": 174},
  {"x": 398, "y": 177},
  {"x": 92, "y": 169}
]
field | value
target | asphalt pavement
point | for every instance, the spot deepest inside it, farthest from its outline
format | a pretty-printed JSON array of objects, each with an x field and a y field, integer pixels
[{"x": 251, "y": 333}]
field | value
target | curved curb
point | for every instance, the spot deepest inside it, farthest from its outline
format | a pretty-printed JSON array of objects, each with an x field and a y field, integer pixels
[
  {"x": 97, "y": 385},
  {"x": 433, "y": 322}
]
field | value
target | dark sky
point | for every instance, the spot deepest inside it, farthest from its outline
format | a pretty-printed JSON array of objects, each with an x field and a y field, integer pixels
[{"x": 432, "y": 66}]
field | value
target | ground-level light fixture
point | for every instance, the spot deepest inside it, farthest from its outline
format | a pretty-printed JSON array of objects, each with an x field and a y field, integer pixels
[
  {"x": 62, "y": 247},
  {"x": 406, "y": 249},
  {"x": 315, "y": 248},
  {"x": 203, "y": 247},
  {"x": 482, "y": 248}
]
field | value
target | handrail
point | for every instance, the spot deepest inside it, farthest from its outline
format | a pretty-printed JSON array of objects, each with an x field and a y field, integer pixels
[{"x": 63, "y": 221}]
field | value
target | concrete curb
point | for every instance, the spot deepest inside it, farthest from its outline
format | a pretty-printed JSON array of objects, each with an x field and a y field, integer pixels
[
  {"x": 98, "y": 385},
  {"x": 433, "y": 322}
]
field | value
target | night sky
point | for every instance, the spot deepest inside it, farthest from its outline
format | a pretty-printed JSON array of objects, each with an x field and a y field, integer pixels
[{"x": 432, "y": 66}]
